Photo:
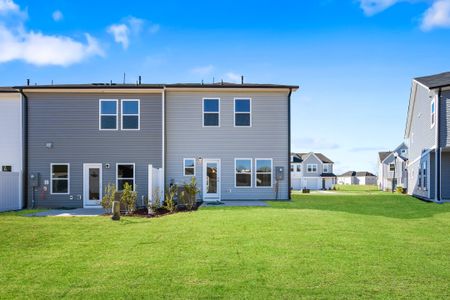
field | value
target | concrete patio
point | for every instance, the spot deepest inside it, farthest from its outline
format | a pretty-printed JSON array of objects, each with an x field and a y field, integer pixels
[{"x": 78, "y": 212}]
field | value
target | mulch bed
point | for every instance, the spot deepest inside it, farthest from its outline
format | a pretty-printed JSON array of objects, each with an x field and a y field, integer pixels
[{"x": 143, "y": 212}]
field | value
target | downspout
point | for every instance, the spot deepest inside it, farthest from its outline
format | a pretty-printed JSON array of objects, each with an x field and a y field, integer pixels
[
  {"x": 438, "y": 147},
  {"x": 25, "y": 148},
  {"x": 289, "y": 145},
  {"x": 163, "y": 142}
]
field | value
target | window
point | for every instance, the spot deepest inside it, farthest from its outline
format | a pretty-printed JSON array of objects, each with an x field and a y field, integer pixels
[
  {"x": 125, "y": 174},
  {"x": 311, "y": 168},
  {"x": 242, "y": 113},
  {"x": 131, "y": 110},
  {"x": 433, "y": 112},
  {"x": 211, "y": 112},
  {"x": 326, "y": 168},
  {"x": 59, "y": 179},
  {"x": 299, "y": 168},
  {"x": 189, "y": 167},
  {"x": 264, "y": 172},
  {"x": 424, "y": 175},
  {"x": 292, "y": 168},
  {"x": 243, "y": 172},
  {"x": 392, "y": 167},
  {"x": 403, "y": 152},
  {"x": 420, "y": 177},
  {"x": 108, "y": 110},
  {"x": 6, "y": 168}
]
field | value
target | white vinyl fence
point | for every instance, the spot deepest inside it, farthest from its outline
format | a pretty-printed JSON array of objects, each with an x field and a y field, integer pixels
[
  {"x": 155, "y": 184},
  {"x": 10, "y": 191}
]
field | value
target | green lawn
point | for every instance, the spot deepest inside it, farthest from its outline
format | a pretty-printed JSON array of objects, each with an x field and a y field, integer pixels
[{"x": 359, "y": 245}]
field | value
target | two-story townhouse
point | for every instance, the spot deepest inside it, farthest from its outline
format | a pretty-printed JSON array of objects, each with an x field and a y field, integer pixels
[
  {"x": 392, "y": 168},
  {"x": 312, "y": 171},
  {"x": 357, "y": 178},
  {"x": 428, "y": 136},
  {"x": 234, "y": 138}
]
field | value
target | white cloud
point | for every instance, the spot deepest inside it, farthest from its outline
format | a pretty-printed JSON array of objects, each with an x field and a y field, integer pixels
[
  {"x": 233, "y": 77},
  {"x": 372, "y": 7},
  {"x": 57, "y": 15},
  {"x": 123, "y": 31},
  {"x": 438, "y": 15},
  {"x": 313, "y": 144},
  {"x": 120, "y": 33},
  {"x": 204, "y": 70},
  {"x": 34, "y": 47},
  {"x": 8, "y": 6}
]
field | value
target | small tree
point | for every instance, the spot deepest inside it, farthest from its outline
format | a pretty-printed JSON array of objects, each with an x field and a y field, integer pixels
[
  {"x": 108, "y": 197},
  {"x": 169, "y": 202},
  {"x": 154, "y": 204},
  {"x": 129, "y": 197},
  {"x": 190, "y": 193}
]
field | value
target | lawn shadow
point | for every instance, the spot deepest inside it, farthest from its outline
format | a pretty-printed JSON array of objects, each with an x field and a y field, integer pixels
[{"x": 375, "y": 204}]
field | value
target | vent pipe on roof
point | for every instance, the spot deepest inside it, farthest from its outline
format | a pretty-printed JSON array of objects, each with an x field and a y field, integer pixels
[
  {"x": 202, "y": 81},
  {"x": 221, "y": 82},
  {"x": 140, "y": 80},
  {"x": 242, "y": 79},
  {"x": 213, "y": 79},
  {"x": 28, "y": 82}
]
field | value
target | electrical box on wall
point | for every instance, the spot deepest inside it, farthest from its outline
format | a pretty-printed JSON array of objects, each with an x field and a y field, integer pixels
[
  {"x": 279, "y": 173},
  {"x": 34, "y": 179}
]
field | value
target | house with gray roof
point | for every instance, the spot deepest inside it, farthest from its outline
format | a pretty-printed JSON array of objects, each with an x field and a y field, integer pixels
[
  {"x": 357, "y": 178},
  {"x": 312, "y": 171},
  {"x": 392, "y": 168},
  {"x": 78, "y": 138},
  {"x": 427, "y": 134}
]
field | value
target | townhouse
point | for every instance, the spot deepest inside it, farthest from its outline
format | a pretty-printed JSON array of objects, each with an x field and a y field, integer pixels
[
  {"x": 234, "y": 138},
  {"x": 393, "y": 168},
  {"x": 357, "y": 178},
  {"x": 312, "y": 171}
]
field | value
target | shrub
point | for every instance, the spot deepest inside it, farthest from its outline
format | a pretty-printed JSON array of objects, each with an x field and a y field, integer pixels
[
  {"x": 400, "y": 190},
  {"x": 189, "y": 195},
  {"x": 169, "y": 202},
  {"x": 154, "y": 204},
  {"x": 108, "y": 197},
  {"x": 129, "y": 198}
]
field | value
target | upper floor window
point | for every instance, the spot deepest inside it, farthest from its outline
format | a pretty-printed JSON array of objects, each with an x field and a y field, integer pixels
[
  {"x": 392, "y": 167},
  {"x": 109, "y": 112},
  {"x": 403, "y": 152},
  {"x": 327, "y": 168},
  {"x": 263, "y": 172},
  {"x": 243, "y": 172},
  {"x": 131, "y": 111},
  {"x": 211, "y": 112},
  {"x": 433, "y": 112},
  {"x": 125, "y": 174},
  {"x": 299, "y": 168},
  {"x": 189, "y": 167},
  {"x": 242, "y": 112},
  {"x": 59, "y": 179},
  {"x": 292, "y": 168},
  {"x": 311, "y": 168}
]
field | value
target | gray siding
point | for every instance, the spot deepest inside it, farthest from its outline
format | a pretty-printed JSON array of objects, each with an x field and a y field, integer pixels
[
  {"x": 445, "y": 175},
  {"x": 70, "y": 122},
  {"x": 444, "y": 115},
  {"x": 414, "y": 171},
  {"x": 267, "y": 138},
  {"x": 312, "y": 160}
]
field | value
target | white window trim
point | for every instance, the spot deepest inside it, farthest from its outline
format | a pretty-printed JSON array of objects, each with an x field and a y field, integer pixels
[
  {"x": 256, "y": 173},
  {"x": 312, "y": 171},
  {"x": 100, "y": 114},
  {"x": 424, "y": 186},
  {"x": 389, "y": 166},
  {"x": 131, "y": 115},
  {"x": 433, "y": 120},
  {"x": 117, "y": 175},
  {"x": 250, "y": 112},
  {"x": 184, "y": 167},
  {"x": 251, "y": 174},
  {"x": 68, "y": 178},
  {"x": 203, "y": 111},
  {"x": 328, "y": 167}
]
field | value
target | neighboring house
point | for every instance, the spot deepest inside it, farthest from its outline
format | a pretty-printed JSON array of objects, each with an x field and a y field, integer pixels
[
  {"x": 312, "y": 171},
  {"x": 11, "y": 150},
  {"x": 428, "y": 135},
  {"x": 357, "y": 178},
  {"x": 234, "y": 138},
  {"x": 392, "y": 168}
]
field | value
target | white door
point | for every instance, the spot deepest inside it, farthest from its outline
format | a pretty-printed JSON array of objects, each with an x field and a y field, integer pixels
[
  {"x": 92, "y": 184},
  {"x": 211, "y": 179}
]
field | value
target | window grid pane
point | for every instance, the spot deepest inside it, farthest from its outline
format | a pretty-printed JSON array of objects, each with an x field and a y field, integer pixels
[
  {"x": 243, "y": 172},
  {"x": 263, "y": 173}
]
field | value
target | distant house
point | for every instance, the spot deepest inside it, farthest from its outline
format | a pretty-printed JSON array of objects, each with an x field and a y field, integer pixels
[
  {"x": 392, "y": 168},
  {"x": 357, "y": 178},
  {"x": 312, "y": 171}
]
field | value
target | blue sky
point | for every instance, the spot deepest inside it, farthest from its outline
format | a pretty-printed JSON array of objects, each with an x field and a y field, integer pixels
[{"x": 354, "y": 60}]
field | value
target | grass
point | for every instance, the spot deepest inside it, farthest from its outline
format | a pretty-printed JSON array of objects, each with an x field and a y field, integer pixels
[
  {"x": 356, "y": 188},
  {"x": 358, "y": 245}
]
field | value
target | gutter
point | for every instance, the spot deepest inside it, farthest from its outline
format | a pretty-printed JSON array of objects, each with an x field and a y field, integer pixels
[
  {"x": 25, "y": 147},
  {"x": 438, "y": 148},
  {"x": 289, "y": 145}
]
